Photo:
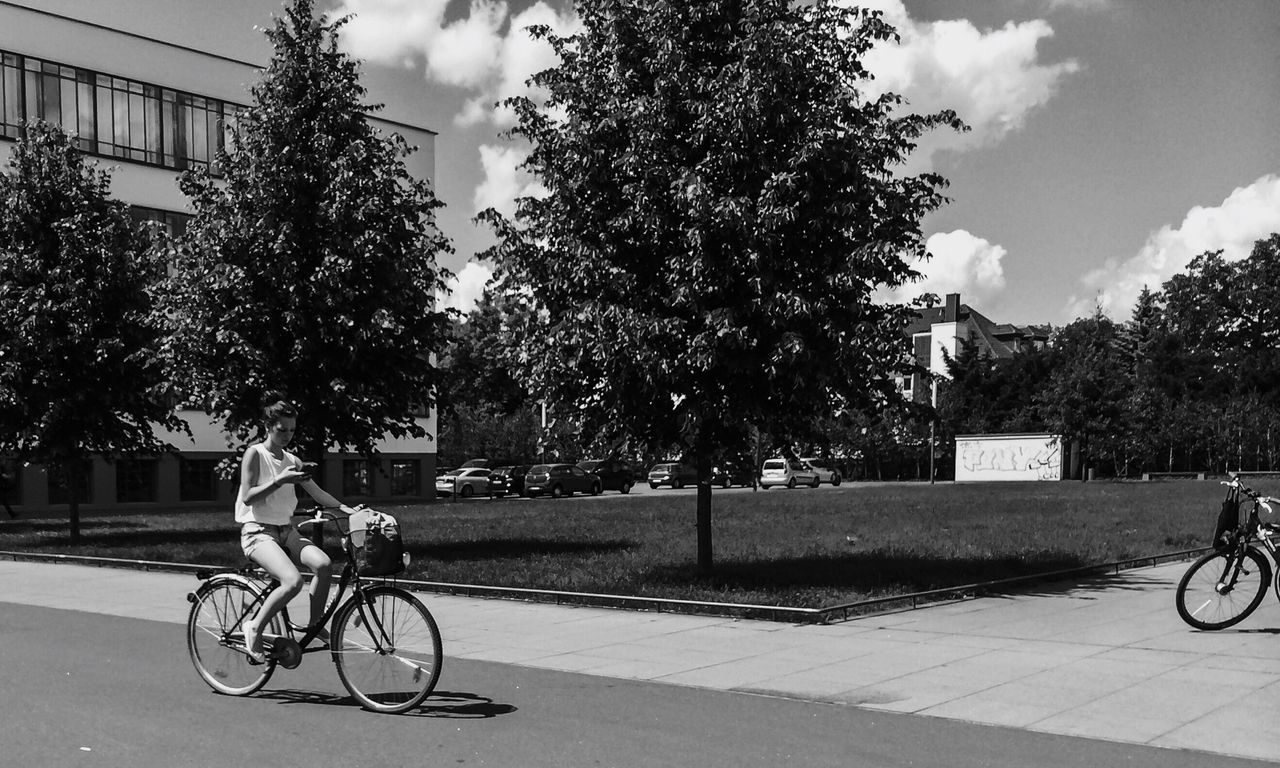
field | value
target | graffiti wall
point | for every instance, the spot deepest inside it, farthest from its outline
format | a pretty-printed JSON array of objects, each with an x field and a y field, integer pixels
[{"x": 1008, "y": 457}]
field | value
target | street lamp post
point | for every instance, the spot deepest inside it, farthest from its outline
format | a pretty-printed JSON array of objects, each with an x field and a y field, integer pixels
[{"x": 933, "y": 421}]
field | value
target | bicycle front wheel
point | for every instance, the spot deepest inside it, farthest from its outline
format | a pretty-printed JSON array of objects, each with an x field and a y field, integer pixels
[
  {"x": 387, "y": 649},
  {"x": 1222, "y": 588},
  {"x": 216, "y": 641}
]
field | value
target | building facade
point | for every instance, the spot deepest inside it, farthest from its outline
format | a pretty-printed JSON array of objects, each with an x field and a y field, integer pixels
[{"x": 151, "y": 108}]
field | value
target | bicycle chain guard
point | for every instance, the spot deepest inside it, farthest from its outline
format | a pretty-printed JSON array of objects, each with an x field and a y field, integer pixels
[{"x": 286, "y": 652}]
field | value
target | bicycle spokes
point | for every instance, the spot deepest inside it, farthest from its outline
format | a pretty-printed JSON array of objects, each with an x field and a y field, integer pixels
[{"x": 387, "y": 649}]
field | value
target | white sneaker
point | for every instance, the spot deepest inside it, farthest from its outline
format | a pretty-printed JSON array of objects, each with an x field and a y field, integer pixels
[{"x": 253, "y": 641}]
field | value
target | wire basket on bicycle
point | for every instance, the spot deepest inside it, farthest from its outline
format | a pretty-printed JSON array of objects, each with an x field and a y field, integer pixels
[{"x": 376, "y": 546}]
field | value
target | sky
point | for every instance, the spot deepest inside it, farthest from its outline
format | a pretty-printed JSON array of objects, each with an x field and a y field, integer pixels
[{"x": 1112, "y": 140}]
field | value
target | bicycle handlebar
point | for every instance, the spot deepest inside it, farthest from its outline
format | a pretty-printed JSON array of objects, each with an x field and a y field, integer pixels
[
  {"x": 1235, "y": 484},
  {"x": 319, "y": 515}
]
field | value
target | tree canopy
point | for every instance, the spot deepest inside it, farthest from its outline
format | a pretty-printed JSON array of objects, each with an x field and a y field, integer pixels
[
  {"x": 722, "y": 200},
  {"x": 309, "y": 267},
  {"x": 78, "y": 374}
]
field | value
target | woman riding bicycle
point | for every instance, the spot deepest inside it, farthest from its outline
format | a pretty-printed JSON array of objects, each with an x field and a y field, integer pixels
[{"x": 269, "y": 478}]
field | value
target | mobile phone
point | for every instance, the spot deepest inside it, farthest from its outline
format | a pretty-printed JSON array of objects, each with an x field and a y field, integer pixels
[{"x": 307, "y": 468}]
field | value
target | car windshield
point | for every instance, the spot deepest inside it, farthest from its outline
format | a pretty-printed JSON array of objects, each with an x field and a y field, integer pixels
[
  {"x": 539, "y": 469},
  {"x": 588, "y": 466},
  {"x": 775, "y": 464},
  {"x": 664, "y": 467}
]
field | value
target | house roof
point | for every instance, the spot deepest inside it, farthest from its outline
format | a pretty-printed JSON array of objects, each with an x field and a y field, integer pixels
[{"x": 1000, "y": 339}]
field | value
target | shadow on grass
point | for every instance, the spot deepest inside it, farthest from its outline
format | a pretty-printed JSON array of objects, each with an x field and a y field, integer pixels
[
  {"x": 503, "y": 549},
  {"x": 127, "y": 537},
  {"x": 870, "y": 574},
  {"x": 61, "y": 525}
]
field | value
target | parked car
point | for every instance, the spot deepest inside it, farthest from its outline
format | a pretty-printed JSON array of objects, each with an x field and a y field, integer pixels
[
  {"x": 729, "y": 475},
  {"x": 558, "y": 480},
  {"x": 673, "y": 474},
  {"x": 465, "y": 482},
  {"x": 508, "y": 479},
  {"x": 788, "y": 472},
  {"x": 826, "y": 473},
  {"x": 614, "y": 475}
]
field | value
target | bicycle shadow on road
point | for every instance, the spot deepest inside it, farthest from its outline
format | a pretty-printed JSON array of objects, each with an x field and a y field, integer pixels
[
  {"x": 1239, "y": 631},
  {"x": 449, "y": 705}
]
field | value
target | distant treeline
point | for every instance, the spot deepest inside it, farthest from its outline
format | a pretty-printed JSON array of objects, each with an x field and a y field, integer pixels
[{"x": 1191, "y": 381}]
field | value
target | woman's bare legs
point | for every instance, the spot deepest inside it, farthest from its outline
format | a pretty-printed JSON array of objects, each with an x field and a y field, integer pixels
[{"x": 272, "y": 557}]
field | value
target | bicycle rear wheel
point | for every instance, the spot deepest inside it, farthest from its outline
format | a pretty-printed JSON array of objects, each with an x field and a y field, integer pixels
[
  {"x": 1220, "y": 589},
  {"x": 387, "y": 649},
  {"x": 216, "y": 641}
]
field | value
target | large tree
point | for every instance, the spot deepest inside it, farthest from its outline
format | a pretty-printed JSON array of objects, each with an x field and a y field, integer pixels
[
  {"x": 78, "y": 374},
  {"x": 722, "y": 199},
  {"x": 310, "y": 268}
]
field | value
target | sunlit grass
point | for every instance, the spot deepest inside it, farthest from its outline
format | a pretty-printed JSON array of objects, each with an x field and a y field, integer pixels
[{"x": 803, "y": 548}]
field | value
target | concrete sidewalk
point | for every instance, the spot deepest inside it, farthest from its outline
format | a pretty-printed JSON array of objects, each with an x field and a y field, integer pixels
[{"x": 1107, "y": 659}]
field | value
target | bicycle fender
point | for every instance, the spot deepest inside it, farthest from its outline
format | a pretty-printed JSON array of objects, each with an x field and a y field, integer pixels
[{"x": 219, "y": 579}]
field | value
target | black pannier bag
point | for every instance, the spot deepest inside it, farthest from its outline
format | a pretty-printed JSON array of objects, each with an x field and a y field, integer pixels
[{"x": 1224, "y": 533}]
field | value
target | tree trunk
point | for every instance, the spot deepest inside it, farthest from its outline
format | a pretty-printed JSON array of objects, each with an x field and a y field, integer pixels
[
  {"x": 74, "y": 477},
  {"x": 705, "y": 560}
]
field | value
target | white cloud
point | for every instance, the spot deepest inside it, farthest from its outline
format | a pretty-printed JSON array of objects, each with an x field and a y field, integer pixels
[
  {"x": 1247, "y": 215},
  {"x": 488, "y": 52},
  {"x": 467, "y": 287},
  {"x": 467, "y": 52},
  {"x": 991, "y": 78},
  {"x": 961, "y": 263},
  {"x": 390, "y": 31},
  {"x": 1079, "y": 5},
  {"x": 503, "y": 180},
  {"x": 965, "y": 264}
]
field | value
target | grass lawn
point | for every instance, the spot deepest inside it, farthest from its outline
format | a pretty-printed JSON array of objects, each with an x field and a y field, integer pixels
[{"x": 799, "y": 548}]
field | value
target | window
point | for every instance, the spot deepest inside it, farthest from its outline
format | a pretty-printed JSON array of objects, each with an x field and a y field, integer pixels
[
  {"x": 11, "y": 110},
  {"x": 171, "y": 221},
  {"x": 357, "y": 478},
  {"x": 405, "y": 478},
  {"x": 115, "y": 116},
  {"x": 197, "y": 479},
  {"x": 60, "y": 494},
  {"x": 135, "y": 480}
]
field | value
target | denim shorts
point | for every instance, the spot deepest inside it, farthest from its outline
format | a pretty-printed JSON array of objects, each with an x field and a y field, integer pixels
[{"x": 252, "y": 534}]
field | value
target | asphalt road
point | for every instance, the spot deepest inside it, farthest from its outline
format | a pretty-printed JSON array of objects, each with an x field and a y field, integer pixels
[{"x": 84, "y": 689}]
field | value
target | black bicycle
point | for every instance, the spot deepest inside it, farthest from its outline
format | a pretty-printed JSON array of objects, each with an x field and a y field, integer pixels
[
  {"x": 384, "y": 642},
  {"x": 1226, "y": 585}
]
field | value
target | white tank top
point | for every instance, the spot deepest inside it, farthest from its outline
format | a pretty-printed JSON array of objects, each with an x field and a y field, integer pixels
[{"x": 277, "y": 507}]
